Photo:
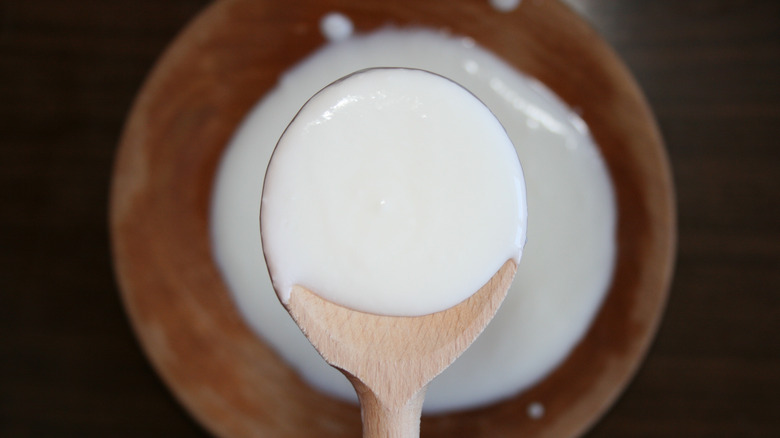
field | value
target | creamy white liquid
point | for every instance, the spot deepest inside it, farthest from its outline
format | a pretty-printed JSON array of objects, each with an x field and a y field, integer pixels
[
  {"x": 393, "y": 191},
  {"x": 567, "y": 261}
]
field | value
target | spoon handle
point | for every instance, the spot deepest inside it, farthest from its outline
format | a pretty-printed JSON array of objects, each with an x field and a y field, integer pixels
[{"x": 381, "y": 420}]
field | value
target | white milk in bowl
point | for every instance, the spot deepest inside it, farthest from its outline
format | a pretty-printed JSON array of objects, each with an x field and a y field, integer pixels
[{"x": 567, "y": 262}]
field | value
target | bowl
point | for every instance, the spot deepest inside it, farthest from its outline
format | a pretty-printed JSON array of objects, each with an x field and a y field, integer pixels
[{"x": 184, "y": 116}]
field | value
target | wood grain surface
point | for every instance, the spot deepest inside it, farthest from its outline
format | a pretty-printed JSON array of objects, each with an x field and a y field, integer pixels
[
  {"x": 389, "y": 359},
  {"x": 71, "y": 366}
]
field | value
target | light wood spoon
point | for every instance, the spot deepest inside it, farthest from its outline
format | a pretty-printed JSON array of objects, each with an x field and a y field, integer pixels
[{"x": 390, "y": 359}]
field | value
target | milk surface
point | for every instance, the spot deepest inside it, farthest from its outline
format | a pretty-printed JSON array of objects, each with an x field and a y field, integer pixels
[
  {"x": 568, "y": 259},
  {"x": 393, "y": 191}
]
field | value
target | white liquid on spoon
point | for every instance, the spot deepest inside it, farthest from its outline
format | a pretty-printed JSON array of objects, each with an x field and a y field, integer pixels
[
  {"x": 393, "y": 191},
  {"x": 567, "y": 262}
]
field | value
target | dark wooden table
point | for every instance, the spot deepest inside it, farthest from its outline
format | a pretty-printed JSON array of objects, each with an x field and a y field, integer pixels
[{"x": 69, "y": 363}]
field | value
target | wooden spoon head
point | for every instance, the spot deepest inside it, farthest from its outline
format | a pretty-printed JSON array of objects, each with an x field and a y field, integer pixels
[{"x": 395, "y": 356}]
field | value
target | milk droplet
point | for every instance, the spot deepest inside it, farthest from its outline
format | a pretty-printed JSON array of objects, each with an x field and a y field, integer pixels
[
  {"x": 504, "y": 5},
  {"x": 336, "y": 26},
  {"x": 535, "y": 410}
]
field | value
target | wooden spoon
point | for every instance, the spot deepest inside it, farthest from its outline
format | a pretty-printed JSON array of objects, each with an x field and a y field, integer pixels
[{"x": 391, "y": 359}]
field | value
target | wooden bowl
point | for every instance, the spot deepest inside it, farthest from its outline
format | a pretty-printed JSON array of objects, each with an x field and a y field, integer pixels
[{"x": 219, "y": 66}]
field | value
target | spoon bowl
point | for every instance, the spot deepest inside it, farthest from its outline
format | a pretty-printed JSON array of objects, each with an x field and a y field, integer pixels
[{"x": 390, "y": 359}]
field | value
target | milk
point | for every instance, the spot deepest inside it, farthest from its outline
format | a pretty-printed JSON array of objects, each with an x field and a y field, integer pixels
[
  {"x": 568, "y": 259},
  {"x": 394, "y": 192}
]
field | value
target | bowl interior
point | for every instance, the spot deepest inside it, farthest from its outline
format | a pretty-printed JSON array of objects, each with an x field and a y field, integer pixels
[{"x": 184, "y": 116}]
